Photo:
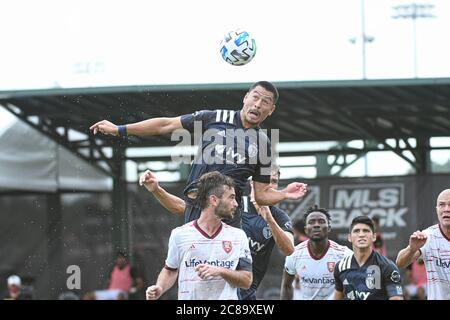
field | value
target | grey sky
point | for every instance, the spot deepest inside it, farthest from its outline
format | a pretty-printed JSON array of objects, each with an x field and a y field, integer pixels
[{"x": 99, "y": 43}]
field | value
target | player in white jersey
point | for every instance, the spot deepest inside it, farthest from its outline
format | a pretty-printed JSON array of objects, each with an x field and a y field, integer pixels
[
  {"x": 434, "y": 245},
  {"x": 313, "y": 260},
  {"x": 210, "y": 258}
]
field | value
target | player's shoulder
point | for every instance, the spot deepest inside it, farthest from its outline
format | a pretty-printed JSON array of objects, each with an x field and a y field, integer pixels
[
  {"x": 279, "y": 214},
  {"x": 383, "y": 261},
  {"x": 432, "y": 229},
  {"x": 345, "y": 263},
  {"x": 301, "y": 247},
  {"x": 338, "y": 248},
  {"x": 278, "y": 211},
  {"x": 230, "y": 229},
  {"x": 187, "y": 227},
  {"x": 225, "y": 115}
]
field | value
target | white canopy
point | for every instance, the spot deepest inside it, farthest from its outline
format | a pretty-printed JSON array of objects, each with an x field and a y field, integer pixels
[{"x": 30, "y": 161}]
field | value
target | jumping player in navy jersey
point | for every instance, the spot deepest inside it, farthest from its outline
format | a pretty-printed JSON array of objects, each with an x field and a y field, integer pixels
[
  {"x": 232, "y": 143},
  {"x": 366, "y": 275},
  {"x": 264, "y": 227}
]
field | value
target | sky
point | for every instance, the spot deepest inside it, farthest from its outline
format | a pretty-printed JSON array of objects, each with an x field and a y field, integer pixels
[
  {"x": 88, "y": 43},
  {"x": 83, "y": 43}
]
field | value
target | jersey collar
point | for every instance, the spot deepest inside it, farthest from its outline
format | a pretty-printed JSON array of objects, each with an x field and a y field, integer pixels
[
  {"x": 322, "y": 255},
  {"x": 205, "y": 234},
  {"x": 442, "y": 232}
]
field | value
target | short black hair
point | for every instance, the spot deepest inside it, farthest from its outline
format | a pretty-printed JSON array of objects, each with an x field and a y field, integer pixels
[
  {"x": 269, "y": 87},
  {"x": 122, "y": 254},
  {"x": 212, "y": 183},
  {"x": 299, "y": 225},
  {"x": 364, "y": 220},
  {"x": 316, "y": 208}
]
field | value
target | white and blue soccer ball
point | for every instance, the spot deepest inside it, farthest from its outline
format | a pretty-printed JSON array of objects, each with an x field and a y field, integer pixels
[{"x": 237, "y": 47}]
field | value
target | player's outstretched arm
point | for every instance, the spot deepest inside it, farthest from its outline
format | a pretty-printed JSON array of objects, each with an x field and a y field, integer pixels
[
  {"x": 166, "y": 280},
  {"x": 265, "y": 195},
  {"x": 407, "y": 255},
  {"x": 283, "y": 239},
  {"x": 287, "y": 291},
  {"x": 155, "y": 126},
  {"x": 169, "y": 201}
]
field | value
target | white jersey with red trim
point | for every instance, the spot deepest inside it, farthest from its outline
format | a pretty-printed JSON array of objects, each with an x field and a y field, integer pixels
[
  {"x": 190, "y": 246},
  {"x": 436, "y": 255},
  {"x": 315, "y": 274}
]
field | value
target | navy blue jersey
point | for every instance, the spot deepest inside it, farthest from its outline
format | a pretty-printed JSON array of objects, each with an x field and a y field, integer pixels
[
  {"x": 260, "y": 240},
  {"x": 377, "y": 279},
  {"x": 227, "y": 147}
]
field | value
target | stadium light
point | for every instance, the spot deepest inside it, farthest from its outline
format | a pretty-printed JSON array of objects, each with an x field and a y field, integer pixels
[
  {"x": 364, "y": 39},
  {"x": 414, "y": 11}
]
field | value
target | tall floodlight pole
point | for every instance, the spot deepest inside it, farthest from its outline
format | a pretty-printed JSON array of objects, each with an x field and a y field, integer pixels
[
  {"x": 364, "y": 39},
  {"x": 414, "y": 11}
]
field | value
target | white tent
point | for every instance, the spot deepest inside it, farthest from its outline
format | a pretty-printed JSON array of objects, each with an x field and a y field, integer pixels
[{"x": 30, "y": 161}]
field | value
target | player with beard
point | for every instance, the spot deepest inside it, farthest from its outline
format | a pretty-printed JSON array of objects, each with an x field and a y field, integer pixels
[
  {"x": 211, "y": 258},
  {"x": 266, "y": 227}
]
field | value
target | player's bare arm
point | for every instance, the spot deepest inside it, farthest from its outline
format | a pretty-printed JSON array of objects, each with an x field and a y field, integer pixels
[
  {"x": 407, "y": 255},
  {"x": 265, "y": 195},
  {"x": 338, "y": 295},
  {"x": 283, "y": 239},
  {"x": 155, "y": 126},
  {"x": 166, "y": 280},
  {"x": 287, "y": 291},
  {"x": 169, "y": 201}
]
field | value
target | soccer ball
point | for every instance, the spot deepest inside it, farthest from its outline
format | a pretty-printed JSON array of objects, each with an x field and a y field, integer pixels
[{"x": 237, "y": 47}]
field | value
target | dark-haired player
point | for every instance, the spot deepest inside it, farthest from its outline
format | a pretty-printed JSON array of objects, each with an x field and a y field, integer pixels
[
  {"x": 313, "y": 260},
  {"x": 264, "y": 226},
  {"x": 231, "y": 143},
  {"x": 366, "y": 275}
]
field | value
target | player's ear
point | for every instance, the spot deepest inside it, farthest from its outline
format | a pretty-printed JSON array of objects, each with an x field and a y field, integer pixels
[
  {"x": 212, "y": 200},
  {"x": 349, "y": 238},
  {"x": 272, "y": 110},
  {"x": 245, "y": 97}
]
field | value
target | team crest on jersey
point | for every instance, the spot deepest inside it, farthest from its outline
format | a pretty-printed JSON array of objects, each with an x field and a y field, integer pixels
[
  {"x": 227, "y": 246},
  {"x": 370, "y": 281},
  {"x": 252, "y": 150},
  {"x": 267, "y": 233},
  {"x": 331, "y": 265}
]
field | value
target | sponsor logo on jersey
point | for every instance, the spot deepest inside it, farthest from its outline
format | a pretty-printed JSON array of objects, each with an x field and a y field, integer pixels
[
  {"x": 355, "y": 294},
  {"x": 443, "y": 264},
  {"x": 323, "y": 280},
  {"x": 227, "y": 246},
  {"x": 192, "y": 263},
  {"x": 399, "y": 290}
]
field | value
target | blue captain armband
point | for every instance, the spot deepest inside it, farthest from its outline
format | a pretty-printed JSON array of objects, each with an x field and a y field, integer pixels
[{"x": 122, "y": 130}]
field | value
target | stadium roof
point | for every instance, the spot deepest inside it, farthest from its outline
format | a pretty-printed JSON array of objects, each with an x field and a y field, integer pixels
[{"x": 306, "y": 111}]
